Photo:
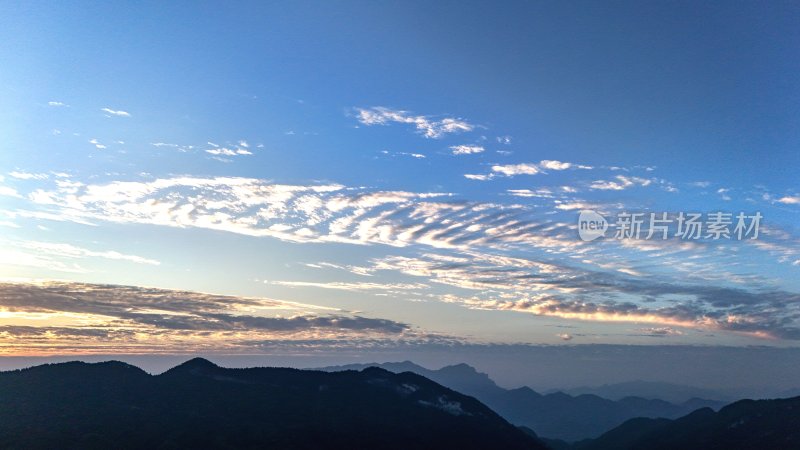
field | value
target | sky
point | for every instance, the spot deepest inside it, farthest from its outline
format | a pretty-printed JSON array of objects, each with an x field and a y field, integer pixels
[{"x": 263, "y": 178}]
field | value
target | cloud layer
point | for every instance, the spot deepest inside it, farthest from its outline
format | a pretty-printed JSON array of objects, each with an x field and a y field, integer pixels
[
  {"x": 58, "y": 317},
  {"x": 481, "y": 255}
]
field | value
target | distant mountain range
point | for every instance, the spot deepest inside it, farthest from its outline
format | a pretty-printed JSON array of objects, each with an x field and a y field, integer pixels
[
  {"x": 200, "y": 405},
  {"x": 556, "y": 415},
  {"x": 743, "y": 425},
  {"x": 676, "y": 393},
  {"x": 673, "y": 393}
]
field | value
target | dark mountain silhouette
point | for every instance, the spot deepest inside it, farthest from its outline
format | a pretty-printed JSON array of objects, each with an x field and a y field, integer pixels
[
  {"x": 556, "y": 415},
  {"x": 743, "y": 425},
  {"x": 200, "y": 405}
]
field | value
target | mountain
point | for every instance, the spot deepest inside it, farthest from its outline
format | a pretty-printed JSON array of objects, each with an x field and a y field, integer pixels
[
  {"x": 555, "y": 415},
  {"x": 743, "y": 425},
  {"x": 200, "y": 405},
  {"x": 673, "y": 393}
]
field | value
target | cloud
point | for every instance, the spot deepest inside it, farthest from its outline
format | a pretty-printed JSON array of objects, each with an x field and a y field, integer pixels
[
  {"x": 789, "y": 200},
  {"x": 576, "y": 205},
  {"x": 311, "y": 213},
  {"x": 565, "y": 289},
  {"x": 424, "y": 125},
  {"x": 538, "y": 193},
  {"x": 467, "y": 149},
  {"x": 6, "y": 191},
  {"x": 71, "y": 251},
  {"x": 241, "y": 149},
  {"x": 511, "y": 170},
  {"x": 88, "y": 318},
  {"x": 254, "y": 207},
  {"x": 360, "y": 286},
  {"x": 97, "y": 144},
  {"x": 660, "y": 331},
  {"x": 27, "y": 175},
  {"x": 118, "y": 113},
  {"x": 413, "y": 155},
  {"x": 466, "y": 246},
  {"x": 178, "y": 147},
  {"x": 228, "y": 152},
  {"x": 622, "y": 182},
  {"x": 58, "y": 256},
  {"x": 555, "y": 165},
  {"x": 358, "y": 270},
  {"x": 57, "y": 104}
]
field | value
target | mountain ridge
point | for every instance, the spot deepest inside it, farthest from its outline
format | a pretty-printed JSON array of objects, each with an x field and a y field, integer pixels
[
  {"x": 555, "y": 415},
  {"x": 198, "y": 404},
  {"x": 744, "y": 424}
]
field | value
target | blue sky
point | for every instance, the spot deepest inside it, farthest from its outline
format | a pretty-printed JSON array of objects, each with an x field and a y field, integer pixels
[{"x": 369, "y": 174}]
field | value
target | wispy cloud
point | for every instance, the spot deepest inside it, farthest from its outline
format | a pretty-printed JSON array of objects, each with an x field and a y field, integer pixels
[
  {"x": 71, "y": 251},
  {"x": 56, "y": 104},
  {"x": 240, "y": 149},
  {"x": 412, "y": 155},
  {"x": 28, "y": 175},
  {"x": 222, "y": 151},
  {"x": 576, "y": 205},
  {"x": 178, "y": 147},
  {"x": 538, "y": 193},
  {"x": 511, "y": 170},
  {"x": 467, "y": 149},
  {"x": 621, "y": 182},
  {"x": 113, "y": 112},
  {"x": 660, "y": 331},
  {"x": 353, "y": 286},
  {"x": 358, "y": 270},
  {"x": 60, "y": 257},
  {"x": 426, "y": 126}
]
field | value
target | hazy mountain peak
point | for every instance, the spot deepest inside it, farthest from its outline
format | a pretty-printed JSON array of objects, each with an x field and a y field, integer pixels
[{"x": 461, "y": 367}]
